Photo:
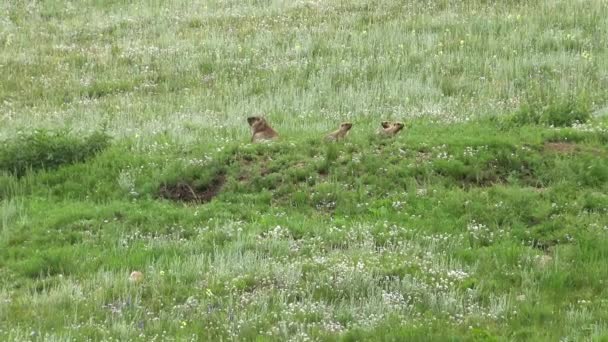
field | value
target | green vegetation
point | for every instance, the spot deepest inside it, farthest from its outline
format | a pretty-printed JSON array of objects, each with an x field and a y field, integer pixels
[
  {"x": 45, "y": 150},
  {"x": 124, "y": 147}
]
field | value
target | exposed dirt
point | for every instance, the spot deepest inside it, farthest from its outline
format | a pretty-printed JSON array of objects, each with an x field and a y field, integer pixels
[
  {"x": 243, "y": 177},
  {"x": 560, "y": 147},
  {"x": 539, "y": 190},
  {"x": 547, "y": 246},
  {"x": 186, "y": 192},
  {"x": 491, "y": 176}
]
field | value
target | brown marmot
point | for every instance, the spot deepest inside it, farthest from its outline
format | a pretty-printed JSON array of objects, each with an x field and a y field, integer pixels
[
  {"x": 260, "y": 129},
  {"x": 340, "y": 133},
  {"x": 390, "y": 129}
]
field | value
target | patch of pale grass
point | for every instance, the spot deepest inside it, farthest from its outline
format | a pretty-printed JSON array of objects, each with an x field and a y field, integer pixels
[
  {"x": 189, "y": 70},
  {"x": 11, "y": 213}
]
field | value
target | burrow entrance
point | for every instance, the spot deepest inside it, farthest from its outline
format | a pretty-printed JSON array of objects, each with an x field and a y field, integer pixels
[{"x": 184, "y": 191}]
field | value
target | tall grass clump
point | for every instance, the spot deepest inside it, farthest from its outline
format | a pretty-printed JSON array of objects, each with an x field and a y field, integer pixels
[
  {"x": 561, "y": 112},
  {"x": 48, "y": 150}
]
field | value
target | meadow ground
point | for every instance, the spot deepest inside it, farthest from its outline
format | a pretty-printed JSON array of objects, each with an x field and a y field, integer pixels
[{"x": 125, "y": 147}]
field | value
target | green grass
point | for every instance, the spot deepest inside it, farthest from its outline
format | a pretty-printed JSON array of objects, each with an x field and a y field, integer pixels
[{"x": 485, "y": 219}]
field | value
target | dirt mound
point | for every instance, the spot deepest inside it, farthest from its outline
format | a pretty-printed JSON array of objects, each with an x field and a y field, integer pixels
[{"x": 187, "y": 192}]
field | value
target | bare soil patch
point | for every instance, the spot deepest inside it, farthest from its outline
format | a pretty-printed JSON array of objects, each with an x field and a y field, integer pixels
[
  {"x": 560, "y": 147},
  {"x": 187, "y": 192}
]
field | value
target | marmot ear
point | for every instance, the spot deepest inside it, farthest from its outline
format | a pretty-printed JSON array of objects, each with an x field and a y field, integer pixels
[{"x": 385, "y": 124}]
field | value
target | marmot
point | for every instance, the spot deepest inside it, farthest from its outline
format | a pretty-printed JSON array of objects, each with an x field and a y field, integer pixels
[
  {"x": 390, "y": 129},
  {"x": 260, "y": 129},
  {"x": 340, "y": 133}
]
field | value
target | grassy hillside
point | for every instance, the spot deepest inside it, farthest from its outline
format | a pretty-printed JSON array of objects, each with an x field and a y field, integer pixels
[{"x": 124, "y": 147}]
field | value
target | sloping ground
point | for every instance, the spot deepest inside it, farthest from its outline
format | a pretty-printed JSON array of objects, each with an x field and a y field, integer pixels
[{"x": 461, "y": 230}]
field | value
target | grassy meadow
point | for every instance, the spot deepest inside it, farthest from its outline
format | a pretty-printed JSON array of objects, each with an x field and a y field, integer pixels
[{"x": 124, "y": 147}]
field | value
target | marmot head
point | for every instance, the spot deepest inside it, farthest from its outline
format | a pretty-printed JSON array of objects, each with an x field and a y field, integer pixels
[
  {"x": 257, "y": 123},
  {"x": 398, "y": 126},
  {"x": 391, "y": 128},
  {"x": 345, "y": 126}
]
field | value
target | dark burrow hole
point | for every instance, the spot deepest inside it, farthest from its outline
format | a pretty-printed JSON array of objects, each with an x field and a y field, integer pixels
[{"x": 184, "y": 191}]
